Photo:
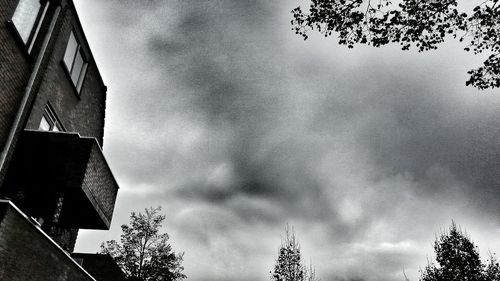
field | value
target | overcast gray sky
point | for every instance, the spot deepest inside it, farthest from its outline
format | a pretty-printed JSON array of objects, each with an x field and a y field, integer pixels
[{"x": 219, "y": 113}]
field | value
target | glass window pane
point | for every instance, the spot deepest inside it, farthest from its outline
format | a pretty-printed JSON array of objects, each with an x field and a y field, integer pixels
[
  {"x": 38, "y": 26},
  {"x": 44, "y": 124},
  {"x": 69, "y": 55},
  {"x": 77, "y": 68},
  {"x": 25, "y": 16},
  {"x": 56, "y": 128}
]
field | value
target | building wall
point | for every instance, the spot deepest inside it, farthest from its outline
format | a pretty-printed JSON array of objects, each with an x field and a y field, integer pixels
[
  {"x": 96, "y": 181},
  {"x": 82, "y": 113},
  {"x": 14, "y": 71},
  {"x": 78, "y": 112},
  {"x": 101, "y": 266},
  {"x": 26, "y": 254}
]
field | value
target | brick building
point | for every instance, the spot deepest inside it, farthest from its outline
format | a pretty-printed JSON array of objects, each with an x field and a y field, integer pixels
[
  {"x": 100, "y": 266},
  {"x": 54, "y": 179}
]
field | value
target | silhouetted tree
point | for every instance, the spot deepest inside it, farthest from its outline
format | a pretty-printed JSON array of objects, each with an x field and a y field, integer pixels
[
  {"x": 289, "y": 266},
  {"x": 144, "y": 253},
  {"x": 311, "y": 274},
  {"x": 423, "y": 24},
  {"x": 492, "y": 270},
  {"x": 457, "y": 259}
]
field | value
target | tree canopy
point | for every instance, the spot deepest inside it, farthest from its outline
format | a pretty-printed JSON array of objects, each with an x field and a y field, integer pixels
[
  {"x": 457, "y": 259},
  {"x": 144, "y": 253},
  {"x": 289, "y": 265},
  {"x": 422, "y": 24}
]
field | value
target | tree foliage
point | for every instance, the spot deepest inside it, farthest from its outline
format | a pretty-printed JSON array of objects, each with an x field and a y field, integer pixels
[
  {"x": 143, "y": 252},
  {"x": 457, "y": 259},
  {"x": 422, "y": 24},
  {"x": 289, "y": 265}
]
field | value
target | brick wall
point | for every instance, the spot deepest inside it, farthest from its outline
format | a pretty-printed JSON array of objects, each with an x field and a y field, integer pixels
[
  {"x": 16, "y": 67},
  {"x": 101, "y": 183},
  {"x": 26, "y": 254},
  {"x": 101, "y": 266},
  {"x": 82, "y": 113},
  {"x": 14, "y": 71}
]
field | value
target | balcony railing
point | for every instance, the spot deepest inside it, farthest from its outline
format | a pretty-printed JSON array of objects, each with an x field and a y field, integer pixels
[{"x": 27, "y": 253}]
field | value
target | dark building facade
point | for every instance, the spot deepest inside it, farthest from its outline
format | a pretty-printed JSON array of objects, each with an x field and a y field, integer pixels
[
  {"x": 100, "y": 266},
  {"x": 54, "y": 178}
]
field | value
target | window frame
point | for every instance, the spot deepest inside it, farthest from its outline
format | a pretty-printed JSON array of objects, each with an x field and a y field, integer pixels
[
  {"x": 80, "y": 49},
  {"x": 28, "y": 45},
  {"x": 52, "y": 120}
]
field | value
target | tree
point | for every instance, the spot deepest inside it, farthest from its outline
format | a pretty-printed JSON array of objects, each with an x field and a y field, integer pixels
[
  {"x": 144, "y": 253},
  {"x": 458, "y": 259},
  {"x": 492, "y": 270},
  {"x": 311, "y": 274},
  {"x": 423, "y": 24},
  {"x": 289, "y": 266}
]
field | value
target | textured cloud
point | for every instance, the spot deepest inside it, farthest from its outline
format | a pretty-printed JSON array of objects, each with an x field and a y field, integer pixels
[{"x": 236, "y": 126}]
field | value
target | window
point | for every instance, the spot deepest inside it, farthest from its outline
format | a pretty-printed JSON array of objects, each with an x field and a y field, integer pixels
[
  {"x": 49, "y": 121},
  {"x": 28, "y": 19},
  {"x": 75, "y": 61}
]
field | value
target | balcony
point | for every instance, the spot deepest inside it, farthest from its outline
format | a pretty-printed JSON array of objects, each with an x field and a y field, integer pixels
[
  {"x": 64, "y": 175},
  {"x": 27, "y": 253},
  {"x": 100, "y": 266}
]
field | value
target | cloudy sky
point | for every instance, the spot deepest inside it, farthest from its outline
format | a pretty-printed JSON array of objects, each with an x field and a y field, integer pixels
[{"x": 219, "y": 113}]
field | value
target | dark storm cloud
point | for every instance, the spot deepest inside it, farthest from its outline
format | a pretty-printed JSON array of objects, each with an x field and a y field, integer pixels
[
  {"x": 237, "y": 128},
  {"x": 423, "y": 132},
  {"x": 207, "y": 54}
]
